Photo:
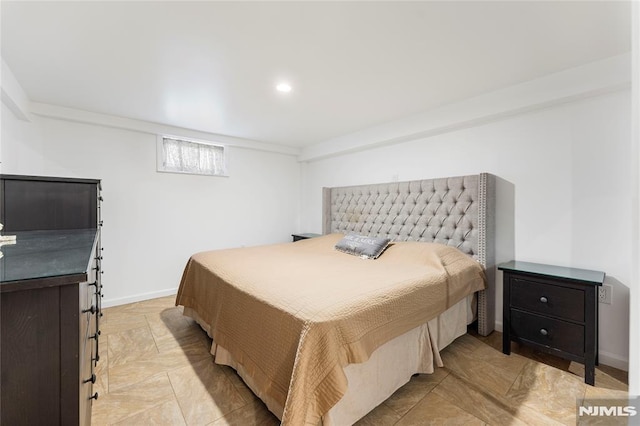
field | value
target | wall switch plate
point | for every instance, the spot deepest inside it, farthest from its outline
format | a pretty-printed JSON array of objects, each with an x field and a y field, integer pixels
[{"x": 604, "y": 294}]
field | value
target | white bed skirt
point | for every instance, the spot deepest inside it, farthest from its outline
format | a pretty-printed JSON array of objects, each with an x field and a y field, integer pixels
[{"x": 389, "y": 367}]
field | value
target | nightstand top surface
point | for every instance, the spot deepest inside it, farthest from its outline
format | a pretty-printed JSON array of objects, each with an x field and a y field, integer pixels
[{"x": 595, "y": 277}]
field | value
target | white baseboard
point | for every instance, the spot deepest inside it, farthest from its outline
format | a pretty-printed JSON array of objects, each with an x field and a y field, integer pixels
[
  {"x": 613, "y": 360},
  {"x": 107, "y": 303}
]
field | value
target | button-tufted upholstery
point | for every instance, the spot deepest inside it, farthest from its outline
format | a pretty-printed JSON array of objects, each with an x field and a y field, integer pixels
[
  {"x": 456, "y": 211},
  {"x": 439, "y": 210}
]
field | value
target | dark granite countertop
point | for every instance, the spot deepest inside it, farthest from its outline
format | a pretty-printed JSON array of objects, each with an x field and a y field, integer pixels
[{"x": 46, "y": 254}]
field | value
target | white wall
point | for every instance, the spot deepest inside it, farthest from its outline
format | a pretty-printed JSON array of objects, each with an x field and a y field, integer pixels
[
  {"x": 570, "y": 169},
  {"x": 154, "y": 221},
  {"x": 634, "y": 332}
]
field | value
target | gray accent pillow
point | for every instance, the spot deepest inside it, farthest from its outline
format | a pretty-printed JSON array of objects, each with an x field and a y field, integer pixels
[{"x": 363, "y": 246}]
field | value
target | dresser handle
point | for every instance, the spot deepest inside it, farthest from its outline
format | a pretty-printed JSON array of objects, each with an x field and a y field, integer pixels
[
  {"x": 92, "y": 309},
  {"x": 544, "y": 332},
  {"x": 92, "y": 379},
  {"x": 95, "y": 396},
  {"x": 544, "y": 299}
]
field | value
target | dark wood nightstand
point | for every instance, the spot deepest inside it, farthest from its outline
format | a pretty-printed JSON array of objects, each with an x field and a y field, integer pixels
[
  {"x": 298, "y": 237},
  {"x": 553, "y": 309}
]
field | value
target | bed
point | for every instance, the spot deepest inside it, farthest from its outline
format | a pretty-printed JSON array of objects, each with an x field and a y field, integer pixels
[{"x": 322, "y": 337}]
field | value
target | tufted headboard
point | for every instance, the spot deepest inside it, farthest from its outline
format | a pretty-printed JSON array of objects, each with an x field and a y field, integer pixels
[{"x": 456, "y": 211}]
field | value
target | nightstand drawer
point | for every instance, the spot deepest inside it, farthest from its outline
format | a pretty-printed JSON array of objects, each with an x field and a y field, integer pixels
[
  {"x": 548, "y": 299},
  {"x": 553, "y": 333}
]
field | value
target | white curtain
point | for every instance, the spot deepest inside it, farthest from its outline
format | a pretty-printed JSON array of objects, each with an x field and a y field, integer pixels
[{"x": 191, "y": 157}]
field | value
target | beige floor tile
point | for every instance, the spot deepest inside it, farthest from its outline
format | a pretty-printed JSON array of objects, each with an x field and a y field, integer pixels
[
  {"x": 167, "y": 414},
  {"x": 465, "y": 344},
  {"x": 244, "y": 391},
  {"x": 114, "y": 322},
  {"x": 146, "y": 306},
  {"x": 408, "y": 395},
  {"x": 204, "y": 392},
  {"x": 380, "y": 416},
  {"x": 485, "y": 405},
  {"x": 156, "y": 368},
  {"x": 131, "y": 345},
  {"x": 603, "y": 380},
  {"x": 433, "y": 410},
  {"x": 117, "y": 405},
  {"x": 167, "y": 321},
  {"x": 253, "y": 414},
  {"x": 143, "y": 368},
  {"x": 548, "y": 390},
  {"x": 232, "y": 375},
  {"x": 182, "y": 338},
  {"x": 486, "y": 374},
  {"x": 171, "y": 330},
  {"x": 604, "y": 393},
  {"x": 511, "y": 363}
]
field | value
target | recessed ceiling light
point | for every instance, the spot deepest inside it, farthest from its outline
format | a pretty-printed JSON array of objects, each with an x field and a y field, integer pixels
[{"x": 283, "y": 87}]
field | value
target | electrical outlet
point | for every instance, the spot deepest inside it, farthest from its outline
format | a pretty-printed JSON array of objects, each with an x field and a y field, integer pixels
[{"x": 604, "y": 294}]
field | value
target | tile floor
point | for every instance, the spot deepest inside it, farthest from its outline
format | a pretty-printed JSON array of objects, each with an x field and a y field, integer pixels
[{"x": 155, "y": 368}]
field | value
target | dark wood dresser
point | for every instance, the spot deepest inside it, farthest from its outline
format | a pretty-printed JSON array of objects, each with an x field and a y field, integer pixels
[
  {"x": 553, "y": 309},
  {"x": 50, "y": 299}
]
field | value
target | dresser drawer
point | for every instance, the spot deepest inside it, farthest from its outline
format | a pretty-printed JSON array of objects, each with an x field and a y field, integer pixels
[
  {"x": 547, "y": 299},
  {"x": 557, "y": 334}
]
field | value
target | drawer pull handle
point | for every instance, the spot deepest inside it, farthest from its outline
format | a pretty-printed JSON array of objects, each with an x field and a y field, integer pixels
[
  {"x": 544, "y": 299},
  {"x": 95, "y": 396},
  {"x": 544, "y": 332},
  {"x": 92, "y": 379},
  {"x": 92, "y": 309}
]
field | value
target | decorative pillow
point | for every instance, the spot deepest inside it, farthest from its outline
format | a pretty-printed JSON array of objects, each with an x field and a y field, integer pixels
[{"x": 363, "y": 246}]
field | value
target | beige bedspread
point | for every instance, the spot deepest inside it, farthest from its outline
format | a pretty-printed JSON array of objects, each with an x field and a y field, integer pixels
[{"x": 294, "y": 314}]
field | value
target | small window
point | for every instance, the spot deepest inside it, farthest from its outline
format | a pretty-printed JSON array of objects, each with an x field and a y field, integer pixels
[{"x": 176, "y": 155}]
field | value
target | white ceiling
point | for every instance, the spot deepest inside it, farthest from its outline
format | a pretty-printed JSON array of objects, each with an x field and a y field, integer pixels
[{"x": 213, "y": 66}]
